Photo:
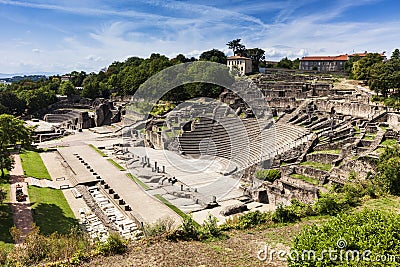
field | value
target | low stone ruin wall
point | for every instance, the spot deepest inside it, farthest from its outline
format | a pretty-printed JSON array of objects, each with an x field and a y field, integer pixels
[
  {"x": 282, "y": 191},
  {"x": 361, "y": 110},
  {"x": 313, "y": 173},
  {"x": 336, "y": 145},
  {"x": 324, "y": 158}
]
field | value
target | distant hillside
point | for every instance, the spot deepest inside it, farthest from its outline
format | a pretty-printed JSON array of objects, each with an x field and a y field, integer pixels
[{"x": 33, "y": 78}]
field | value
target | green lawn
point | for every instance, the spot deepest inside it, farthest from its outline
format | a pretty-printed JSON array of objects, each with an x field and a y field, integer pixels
[
  {"x": 305, "y": 178},
  {"x": 116, "y": 165},
  {"x": 33, "y": 165},
  {"x": 332, "y": 151},
  {"x": 317, "y": 165},
  {"x": 136, "y": 180},
  {"x": 6, "y": 217},
  {"x": 98, "y": 150},
  {"x": 50, "y": 210}
]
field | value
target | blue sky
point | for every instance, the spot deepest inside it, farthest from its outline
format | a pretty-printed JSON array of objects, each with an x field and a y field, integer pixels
[{"x": 64, "y": 35}]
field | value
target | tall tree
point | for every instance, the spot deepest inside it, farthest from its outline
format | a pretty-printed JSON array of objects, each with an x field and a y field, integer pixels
[
  {"x": 12, "y": 131},
  {"x": 256, "y": 55},
  {"x": 237, "y": 47},
  {"x": 396, "y": 54}
]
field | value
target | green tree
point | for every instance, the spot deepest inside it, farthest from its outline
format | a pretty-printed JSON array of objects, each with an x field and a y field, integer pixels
[
  {"x": 348, "y": 65},
  {"x": 213, "y": 55},
  {"x": 37, "y": 99},
  {"x": 388, "y": 176},
  {"x": 256, "y": 55},
  {"x": 385, "y": 77},
  {"x": 296, "y": 64},
  {"x": 67, "y": 88},
  {"x": 285, "y": 63},
  {"x": 12, "y": 131},
  {"x": 395, "y": 54},
  {"x": 237, "y": 47},
  {"x": 362, "y": 68},
  {"x": 12, "y": 103}
]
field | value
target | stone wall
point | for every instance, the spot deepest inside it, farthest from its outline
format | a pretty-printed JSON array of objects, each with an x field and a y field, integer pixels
[
  {"x": 361, "y": 167},
  {"x": 324, "y": 158},
  {"x": 335, "y": 145},
  {"x": 313, "y": 173},
  {"x": 361, "y": 110},
  {"x": 393, "y": 120},
  {"x": 282, "y": 191}
]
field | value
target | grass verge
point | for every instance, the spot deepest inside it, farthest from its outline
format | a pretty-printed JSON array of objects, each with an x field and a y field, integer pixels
[
  {"x": 119, "y": 167},
  {"x": 33, "y": 165},
  {"x": 172, "y": 207},
  {"x": 50, "y": 210},
  {"x": 98, "y": 150},
  {"x": 305, "y": 178},
  {"x": 317, "y": 165},
  {"x": 140, "y": 183},
  {"x": 6, "y": 217}
]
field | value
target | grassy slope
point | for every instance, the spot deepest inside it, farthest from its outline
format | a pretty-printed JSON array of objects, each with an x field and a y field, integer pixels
[
  {"x": 33, "y": 165},
  {"x": 240, "y": 249},
  {"x": 51, "y": 211}
]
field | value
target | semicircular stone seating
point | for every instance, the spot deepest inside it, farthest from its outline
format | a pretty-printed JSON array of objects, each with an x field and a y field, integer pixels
[{"x": 241, "y": 140}]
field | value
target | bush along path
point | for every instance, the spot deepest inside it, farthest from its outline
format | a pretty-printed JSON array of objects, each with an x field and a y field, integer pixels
[{"x": 22, "y": 214}]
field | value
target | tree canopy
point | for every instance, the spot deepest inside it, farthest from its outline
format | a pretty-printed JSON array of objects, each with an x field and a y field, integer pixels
[
  {"x": 12, "y": 131},
  {"x": 237, "y": 47}
]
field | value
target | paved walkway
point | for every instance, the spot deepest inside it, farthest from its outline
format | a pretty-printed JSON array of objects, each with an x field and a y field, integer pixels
[
  {"x": 52, "y": 161},
  {"x": 22, "y": 214},
  {"x": 144, "y": 207}
]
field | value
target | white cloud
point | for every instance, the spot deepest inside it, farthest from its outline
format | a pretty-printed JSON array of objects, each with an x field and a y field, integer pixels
[{"x": 124, "y": 33}]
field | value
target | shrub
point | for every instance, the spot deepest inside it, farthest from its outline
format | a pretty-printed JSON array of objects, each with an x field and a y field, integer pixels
[
  {"x": 301, "y": 209},
  {"x": 210, "y": 229},
  {"x": 114, "y": 244},
  {"x": 188, "y": 230},
  {"x": 162, "y": 227},
  {"x": 252, "y": 219},
  {"x": 284, "y": 214},
  {"x": 247, "y": 220},
  {"x": 376, "y": 231},
  {"x": 329, "y": 204}
]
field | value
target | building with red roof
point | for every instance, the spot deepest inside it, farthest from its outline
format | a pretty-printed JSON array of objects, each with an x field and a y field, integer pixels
[{"x": 328, "y": 63}]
